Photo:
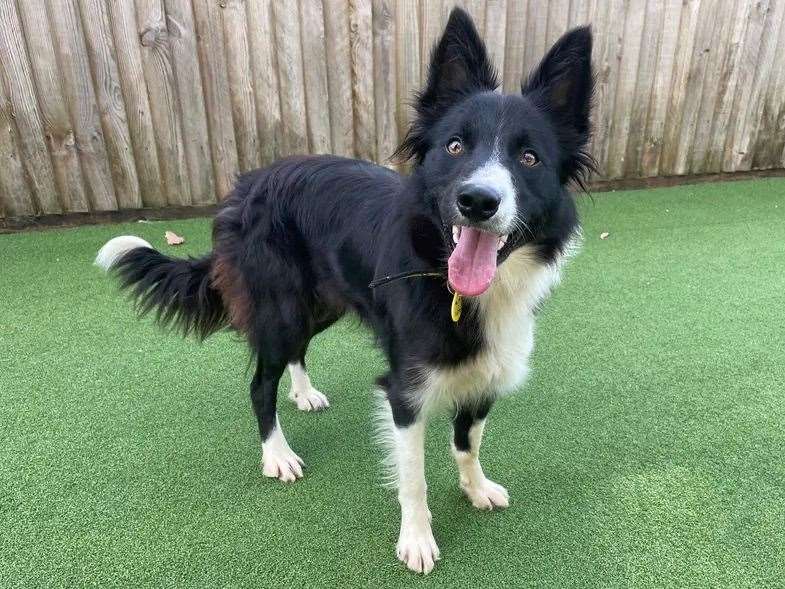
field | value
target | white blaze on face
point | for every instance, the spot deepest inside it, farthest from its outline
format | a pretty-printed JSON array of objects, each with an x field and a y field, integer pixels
[
  {"x": 472, "y": 264},
  {"x": 495, "y": 177}
]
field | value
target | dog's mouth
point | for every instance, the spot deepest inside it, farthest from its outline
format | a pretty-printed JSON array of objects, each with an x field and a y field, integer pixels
[{"x": 472, "y": 264}]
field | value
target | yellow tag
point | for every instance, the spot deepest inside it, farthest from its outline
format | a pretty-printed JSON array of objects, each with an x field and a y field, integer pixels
[{"x": 455, "y": 309}]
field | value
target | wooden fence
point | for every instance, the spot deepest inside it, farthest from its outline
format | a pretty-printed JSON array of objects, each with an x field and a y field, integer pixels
[{"x": 121, "y": 104}]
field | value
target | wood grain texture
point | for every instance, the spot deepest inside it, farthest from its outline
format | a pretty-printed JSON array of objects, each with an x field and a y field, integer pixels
[
  {"x": 265, "y": 79},
  {"x": 215, "y": 84},
  {"x": 164, "y": 104},
  {"x": 101, "y": 50},
  {"x": 80, "y": 97},
  {"x": 361, "y": 46},
  {"x": 496, "y": 32},
  {"x": 407, "y": 43},
  {"x": 514, "y": 47},
  {"x": 18, "y": 80},
  {"x": 290, "y": 78},
  {"x": 55, "y": 118},
  {"x": 770, "y": 141},
  {"x": 640, "y": 100},
  {"x": 339, "y": 76},
  {"x": 716, "y": 42},
  {"x": 16, "y": 199},
  {"x": 678, "y": 90},
  {"x": 385, "y": 80},
  {"x": 663, "y": 71},
  {"x": 751, "y": 110},
  {"x": 317, "y": 94},
  {"x": 202, "y": 151},
  {"x": 240, "y": 76},
  {"x": 134, "y": 88}
]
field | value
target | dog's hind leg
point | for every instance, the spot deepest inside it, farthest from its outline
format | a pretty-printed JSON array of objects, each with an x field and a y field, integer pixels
[
  {"x": 468, "y": 427},
  {"x": 278, "y": 459},
  {"x": 302, "y": 392}
]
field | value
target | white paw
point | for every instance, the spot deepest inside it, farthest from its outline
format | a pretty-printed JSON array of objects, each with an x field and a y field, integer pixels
[
  {"x": 417, "y": 548},
  {"x": 281, "y": 463},
  {"x": 487, "y": 495},
  {"x": 309, "y": 400}
]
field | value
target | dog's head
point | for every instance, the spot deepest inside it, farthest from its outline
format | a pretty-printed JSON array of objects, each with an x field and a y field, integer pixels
[{"x": 495, "y": 165}]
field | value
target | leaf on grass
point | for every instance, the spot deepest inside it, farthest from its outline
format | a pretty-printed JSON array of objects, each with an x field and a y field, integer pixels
[
  {"x": 604, "y": 235},
  {"x": 173, "y": 239}
]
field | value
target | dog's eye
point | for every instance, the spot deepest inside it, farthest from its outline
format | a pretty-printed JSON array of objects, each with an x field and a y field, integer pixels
[
  {"x": 454, "y": 146},
  {"x": 529, "y": 158}
]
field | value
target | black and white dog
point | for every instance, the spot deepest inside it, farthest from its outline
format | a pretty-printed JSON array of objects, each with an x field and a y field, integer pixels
[{"x": 486, "y": 212}]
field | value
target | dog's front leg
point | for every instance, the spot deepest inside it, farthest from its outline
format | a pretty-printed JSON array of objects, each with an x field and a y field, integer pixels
[
  {"x": 416, "y": 545},
  {"x": 468, "y": 427}
]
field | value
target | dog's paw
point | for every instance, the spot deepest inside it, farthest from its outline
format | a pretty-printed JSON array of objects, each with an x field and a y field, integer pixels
[
  {"x": 282, "y": 464},
  {"x": 417, "y": 548},
  {"x": 309, "y": 400},
  {"x": 487, "y": 495}
]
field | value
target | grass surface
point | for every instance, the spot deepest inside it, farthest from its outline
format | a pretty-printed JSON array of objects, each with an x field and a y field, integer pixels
[{"x": 646, "y": 449}]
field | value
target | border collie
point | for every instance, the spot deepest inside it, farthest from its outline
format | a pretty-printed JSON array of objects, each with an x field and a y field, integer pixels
[{"x": 460, "y": 253}]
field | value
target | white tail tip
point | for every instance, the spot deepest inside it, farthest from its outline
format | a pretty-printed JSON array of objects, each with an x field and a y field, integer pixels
[{"x": 115, "y": 248}]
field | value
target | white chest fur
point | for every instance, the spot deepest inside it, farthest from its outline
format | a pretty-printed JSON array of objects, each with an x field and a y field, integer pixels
[{"x": 507, "y": 312}]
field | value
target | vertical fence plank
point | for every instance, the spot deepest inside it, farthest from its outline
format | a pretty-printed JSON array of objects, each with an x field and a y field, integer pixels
[
  {"x": 16, "y": 198},
  {"x": 165, "y": 108},
  {"x": 265, "y": 79},
  {"x": 407, "y": 42},
  {"x": 432, "y": 20},
  {"x": 663, "y": 71},
  {"x": 339, "y": 75},
  {"x": 514, "y": 47},
  {"x": 18, "y": 79},
  {"x": 751, "y": 110},
  {"x": 290, "y": 78},
  {"x": 317, "y": 96},
  {"x": 240, "y": 83},
  {"x": 495, "y": 31},
  {"x": 750, "y": 44},
  {"x": 678, "y": 87},
  {"x": 384, "y": 75},
  {"x": 621, "y": 112},
  {"x": 641, "y": 98},
  {"x": 80, "y": 98},
  {"x": 100, "y": 48},
  {"x": 57, "y": 125},
  {"x": 215, "y": 82},
  {"x": 558, "y": 20},
  {"x": 536, "y": 31},
  {"x": 134, "y": 88},
  {"x": 726, "y": 87},
  {"x": 361, "y": 44},
  {"x": 771, "y": 130},
  {"x": 197, "y": 141},
  {"x": 608, "y": 59},
  {"x": 715, "y": 47}
]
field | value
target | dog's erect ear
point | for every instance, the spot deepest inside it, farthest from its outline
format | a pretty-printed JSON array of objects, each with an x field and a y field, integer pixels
[
  {"x": 562, "y": 85},
  {"x": 459, "y": 67}
]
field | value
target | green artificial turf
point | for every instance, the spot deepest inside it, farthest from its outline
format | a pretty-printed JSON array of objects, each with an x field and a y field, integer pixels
[{"x": 646, "y": 450}]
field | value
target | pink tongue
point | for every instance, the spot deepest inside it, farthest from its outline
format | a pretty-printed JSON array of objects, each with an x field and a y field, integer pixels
[{"x": 472, "y": 264}]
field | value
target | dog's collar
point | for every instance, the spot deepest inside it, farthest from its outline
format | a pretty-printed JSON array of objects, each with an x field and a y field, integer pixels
[{"x": 457, "y": 301}]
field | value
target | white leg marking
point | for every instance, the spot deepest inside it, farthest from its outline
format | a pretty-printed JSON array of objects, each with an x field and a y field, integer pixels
[
  {"x": 305, "y": 396},
  {"x": 278, "y": 460},
  {"x": 416, "y": 546},
  {"x": 482, "y": 492}
]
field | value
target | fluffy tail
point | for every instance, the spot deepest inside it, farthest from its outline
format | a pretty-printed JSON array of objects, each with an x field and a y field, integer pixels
[{"x": 178, "y": 290}]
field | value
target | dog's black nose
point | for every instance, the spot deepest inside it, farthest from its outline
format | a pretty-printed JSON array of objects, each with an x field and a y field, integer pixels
[{"x": 477, "y": 203}]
